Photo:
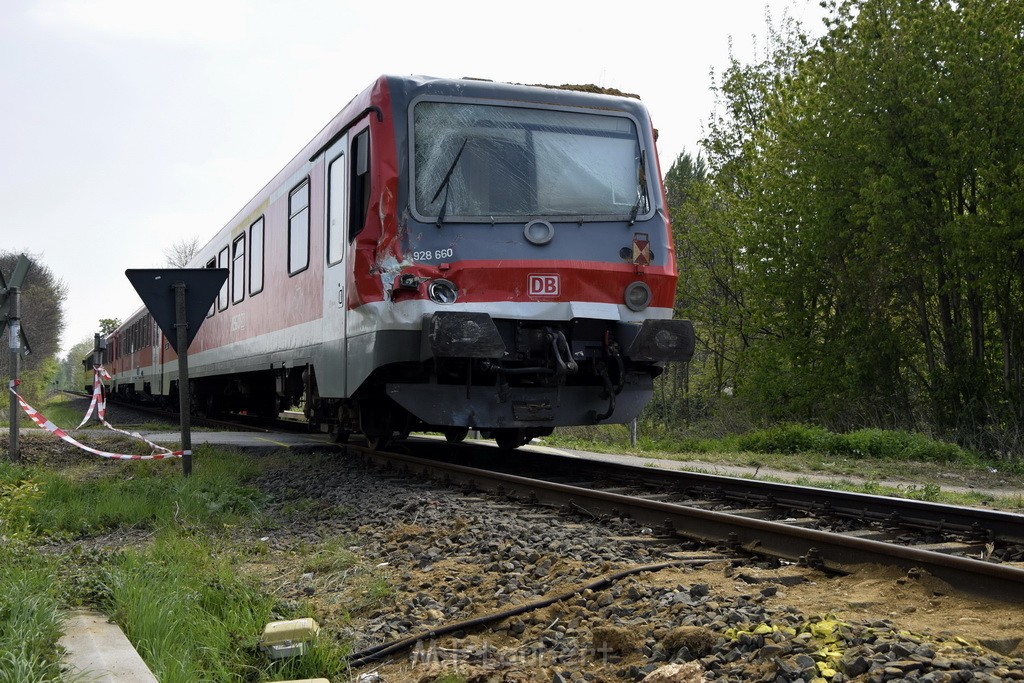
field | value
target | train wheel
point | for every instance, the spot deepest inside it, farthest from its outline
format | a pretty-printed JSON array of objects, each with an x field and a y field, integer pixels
[
  {"x": 508, "y": 439},
  {"x": 339, "y": 435},
  {"x": 456, "y": 434}
]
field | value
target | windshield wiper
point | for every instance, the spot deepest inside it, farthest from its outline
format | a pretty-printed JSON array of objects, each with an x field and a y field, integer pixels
[
  {"x": 444, "y": 185},
  {"x": 642, "y": 199}
]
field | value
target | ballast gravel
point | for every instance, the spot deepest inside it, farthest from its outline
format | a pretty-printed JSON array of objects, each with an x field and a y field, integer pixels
[{"x": 428, "y": 557}]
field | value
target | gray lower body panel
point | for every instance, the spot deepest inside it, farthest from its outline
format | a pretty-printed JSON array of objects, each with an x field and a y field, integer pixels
[{"x": 483, "y": 407}]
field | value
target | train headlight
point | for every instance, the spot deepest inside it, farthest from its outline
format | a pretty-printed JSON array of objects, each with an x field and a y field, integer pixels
[
  {"x": 638, "y": 296},
  {"x": 442, "y": 291}
]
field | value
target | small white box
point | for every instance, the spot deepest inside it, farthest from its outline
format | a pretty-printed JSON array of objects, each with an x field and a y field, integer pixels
[{"x": 288, "y": 638}]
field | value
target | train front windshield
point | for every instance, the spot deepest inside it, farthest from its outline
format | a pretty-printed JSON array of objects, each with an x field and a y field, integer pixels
[{"x": 484, "y": 163}]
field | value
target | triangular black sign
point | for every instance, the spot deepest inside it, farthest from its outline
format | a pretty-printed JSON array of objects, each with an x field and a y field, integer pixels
[{"x": 156, "y": 288}]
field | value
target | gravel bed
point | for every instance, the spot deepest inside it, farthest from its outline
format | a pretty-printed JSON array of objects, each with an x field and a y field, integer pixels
[{"x": 447, "y": 557}]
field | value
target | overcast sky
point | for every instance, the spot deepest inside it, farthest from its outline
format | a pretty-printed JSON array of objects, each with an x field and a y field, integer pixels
[{"x": 128, "y": 125}]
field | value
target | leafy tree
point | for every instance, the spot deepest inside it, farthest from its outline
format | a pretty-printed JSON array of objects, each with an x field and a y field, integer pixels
[
  {"x": 42, "y": 296},
  {"x": 71, "y": 369},
  {"x": 705, "y": 294},
  {"x": 874, "y": 182},
  {"x": 108, "y": 325}
]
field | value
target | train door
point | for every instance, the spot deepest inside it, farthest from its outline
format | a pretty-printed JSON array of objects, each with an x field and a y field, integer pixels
[
  {"x": 157, "y": 369},
  {"x": 330, "y": 371}
]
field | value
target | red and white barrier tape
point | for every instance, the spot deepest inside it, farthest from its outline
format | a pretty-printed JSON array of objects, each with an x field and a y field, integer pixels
[
  {"x": 99, "y": 373},
  {"x": 43, "y": 423},
  {"x": 100, "y": 402}
]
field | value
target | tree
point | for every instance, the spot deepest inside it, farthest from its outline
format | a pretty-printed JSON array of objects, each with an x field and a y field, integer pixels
[
  {"x": 179, "y": 254},
  {"x": 875, "y": 181},
  {"x": 108, "y": 325},
  {"x": 42, "y": 297},
  {"x": 70, "y": 375},
  {"x": 705, "y": 255}
]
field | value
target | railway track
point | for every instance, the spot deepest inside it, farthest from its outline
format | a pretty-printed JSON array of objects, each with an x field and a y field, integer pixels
[
  {"x": 976, "y": 551},
  {"x": 235, "y": 423}
]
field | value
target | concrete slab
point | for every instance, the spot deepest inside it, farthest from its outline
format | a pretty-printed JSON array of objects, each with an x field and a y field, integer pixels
[{"x": 99, "y": 652}]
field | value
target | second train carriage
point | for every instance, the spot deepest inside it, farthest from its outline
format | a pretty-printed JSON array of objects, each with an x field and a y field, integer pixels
[{"x": 444, "y": 255}]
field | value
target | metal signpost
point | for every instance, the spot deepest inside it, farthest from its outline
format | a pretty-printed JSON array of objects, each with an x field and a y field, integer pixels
[
  {"x": 14, "y": 320},
  {"x": 10, "y": 316},
  {"x": 178, "y": 299}
]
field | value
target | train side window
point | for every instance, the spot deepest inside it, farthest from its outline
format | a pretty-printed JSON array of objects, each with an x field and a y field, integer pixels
[
  {"x": 238, "y": 269},
  {"x": 212, "y": 263},
  {"x": 222, "y": 296},
  {"x": 360, "y": 195},
  {"x": 298, "y": 228},
  {"x": 256, "y": 257},
  {"x": 336, "y": 210}
]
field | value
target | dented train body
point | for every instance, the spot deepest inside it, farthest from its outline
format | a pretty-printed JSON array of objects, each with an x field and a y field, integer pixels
[{"x": 445, "y": 255}]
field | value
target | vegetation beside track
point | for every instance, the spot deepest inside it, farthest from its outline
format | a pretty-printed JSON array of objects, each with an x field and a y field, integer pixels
[
  {"x": 854, "y": 461},
  {"x": 158, "y": 553}
]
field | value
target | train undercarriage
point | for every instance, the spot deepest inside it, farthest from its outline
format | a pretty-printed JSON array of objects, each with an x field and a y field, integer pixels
[
  {"x": 509, "y": 380},
  {"x": 506, "y": 379}
]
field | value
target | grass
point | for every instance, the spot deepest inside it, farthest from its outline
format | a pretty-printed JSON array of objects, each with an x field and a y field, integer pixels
[
  {"x": 136, "y": 494},
  {"x": 331, "y": 557},
  {"x": 855, "y": 461},
  {"x": 195, "y": 617},
  {"x": 30, "y": 617},
  {"x": 175, "y": 586}
]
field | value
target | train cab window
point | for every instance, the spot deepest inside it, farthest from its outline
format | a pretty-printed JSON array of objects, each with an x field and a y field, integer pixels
[
  {"x": 298, "y": 228},
  {"x": 222, "y": 296},
  {"x": 238, "y": 269},
  {"x": 360, "y": 195},
  {"x": 256, "y": 257},
  {"x": 480, "y": 162},
  {"x": 212, "y": 263},
  {"x": 336, "y": 210}
]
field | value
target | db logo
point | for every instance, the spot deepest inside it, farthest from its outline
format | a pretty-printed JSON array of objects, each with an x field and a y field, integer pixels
[{"x": 543, "y": 285}]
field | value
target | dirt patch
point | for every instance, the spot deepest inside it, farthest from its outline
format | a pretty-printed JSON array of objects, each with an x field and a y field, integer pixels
[{"x": 913, "y": 601}]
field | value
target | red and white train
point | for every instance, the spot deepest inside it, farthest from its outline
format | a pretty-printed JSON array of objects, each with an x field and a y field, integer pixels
[{"x": 445, "y": 255}]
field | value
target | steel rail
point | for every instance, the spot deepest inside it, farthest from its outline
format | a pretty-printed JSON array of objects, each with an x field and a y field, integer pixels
[
  {"x": 830, "y": 551},
  {"x": 984, "y": 524}
]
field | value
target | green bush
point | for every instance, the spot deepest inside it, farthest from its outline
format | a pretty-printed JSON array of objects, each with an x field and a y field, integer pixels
[
  {"x": 16, "y": 499},
  {"x": 789, "y": 438},
  {"x": 879, "y": 444},
  {"x": 606, "y": 434}
]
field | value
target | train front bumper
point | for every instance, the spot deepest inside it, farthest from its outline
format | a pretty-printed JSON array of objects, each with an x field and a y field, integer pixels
[{"x": 475, "y": 335}]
